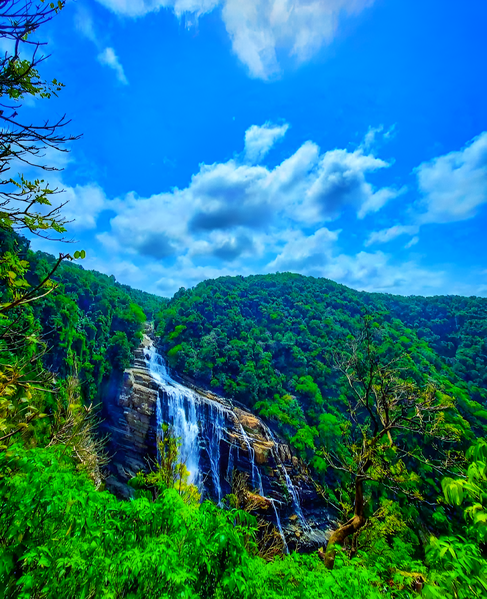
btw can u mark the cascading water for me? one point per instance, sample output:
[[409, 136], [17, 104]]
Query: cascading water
[[256, 477], [200, 424], [279, 526], [181, 414], [289, 483], [229, 473], [196, 421], [214, 434]]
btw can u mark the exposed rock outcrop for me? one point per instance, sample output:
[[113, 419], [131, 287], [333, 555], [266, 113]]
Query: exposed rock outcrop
[[130, 421], [217, 438]]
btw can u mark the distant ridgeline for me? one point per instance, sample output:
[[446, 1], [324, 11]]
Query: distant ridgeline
[[90, 322], [269, 341]]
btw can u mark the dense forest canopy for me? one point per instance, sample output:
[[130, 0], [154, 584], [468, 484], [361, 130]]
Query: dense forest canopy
[[270, 341], [91, 324]]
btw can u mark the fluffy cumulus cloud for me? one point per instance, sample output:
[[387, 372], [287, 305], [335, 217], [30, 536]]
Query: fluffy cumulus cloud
[[260, 28], [318, 255], [306, 254], [234, 210], [244, 217], [378, 271], [238, 217], [110, 59], [259, 140], [454, 185], [85, 204], [81, 204], [341, 180]]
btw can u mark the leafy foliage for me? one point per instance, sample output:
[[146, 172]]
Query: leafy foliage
[[472, 489], [61, 537], [90, 322], [269, 341]]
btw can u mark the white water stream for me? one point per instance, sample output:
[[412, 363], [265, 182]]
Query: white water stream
[[196, 421], [199, 423]]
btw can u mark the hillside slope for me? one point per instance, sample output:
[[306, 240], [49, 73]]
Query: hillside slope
[[90, 323], [269, 341]]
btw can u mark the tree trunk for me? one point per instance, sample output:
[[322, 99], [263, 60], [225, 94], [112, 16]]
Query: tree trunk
[[349, 528]]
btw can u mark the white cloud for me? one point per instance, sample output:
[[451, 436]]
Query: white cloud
[[236, 218], [454, 185], [110, 59], [378, 272], [231, 210], [412, 242], [122, 269], [259, 140], [85, 203], [258, 28], [316, 256], [375, 135], [305, 253], [83, 21], [377, 200], [386, 235], [363, 271], [341, 180], [139, 8]]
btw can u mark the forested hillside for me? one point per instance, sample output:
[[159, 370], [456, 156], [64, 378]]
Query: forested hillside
[[89, 322], [270, 342]]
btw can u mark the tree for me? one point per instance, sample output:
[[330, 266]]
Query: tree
[[169, 472], [385, 411], [24, 205]]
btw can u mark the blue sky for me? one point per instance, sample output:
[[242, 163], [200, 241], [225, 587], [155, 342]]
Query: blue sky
[[337, 138]]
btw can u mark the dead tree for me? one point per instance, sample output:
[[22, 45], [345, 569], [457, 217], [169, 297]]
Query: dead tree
[[384, 407]]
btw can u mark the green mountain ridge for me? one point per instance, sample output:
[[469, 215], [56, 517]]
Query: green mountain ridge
[[272, 342], [269, 341]]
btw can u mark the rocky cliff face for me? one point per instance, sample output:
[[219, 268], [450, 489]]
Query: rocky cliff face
[[217, 438], [131, 423]]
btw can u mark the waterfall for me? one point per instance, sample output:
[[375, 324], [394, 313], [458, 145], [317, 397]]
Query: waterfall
[[197, 422], [289, 483], [279, 527], [214, 434], [181, 414], [255, 471], [200, 423]]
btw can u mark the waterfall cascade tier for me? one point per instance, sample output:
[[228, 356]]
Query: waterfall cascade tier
[[216, 438]]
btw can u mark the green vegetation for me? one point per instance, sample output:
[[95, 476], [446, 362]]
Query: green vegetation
[[382, 397], [90, 323], [377, 394], [270, 341]]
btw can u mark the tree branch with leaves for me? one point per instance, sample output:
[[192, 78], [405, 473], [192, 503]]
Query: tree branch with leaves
[[25, 204], [385, 410]]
